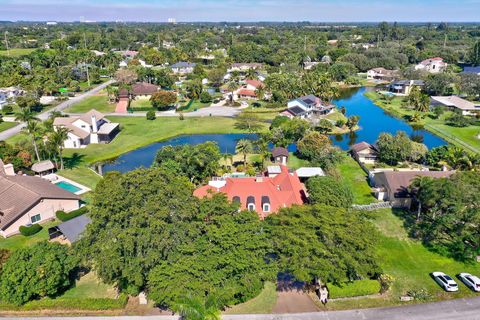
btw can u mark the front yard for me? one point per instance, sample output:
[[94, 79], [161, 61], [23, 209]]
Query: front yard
[[98, 102]]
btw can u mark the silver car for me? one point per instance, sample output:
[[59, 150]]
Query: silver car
[[471, 281]]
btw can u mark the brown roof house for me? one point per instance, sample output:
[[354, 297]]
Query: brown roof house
[[138, 90], [393, 185], [364, 152], [382, 74], [91, 127], [25, 200], [280, 155]]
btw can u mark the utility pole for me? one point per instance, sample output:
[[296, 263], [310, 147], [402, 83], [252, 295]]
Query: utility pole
[[6, 44], [305, 45], [86, 65], [445, 41]]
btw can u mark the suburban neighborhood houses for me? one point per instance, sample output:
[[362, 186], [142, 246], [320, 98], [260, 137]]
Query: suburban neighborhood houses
[[237, 170]]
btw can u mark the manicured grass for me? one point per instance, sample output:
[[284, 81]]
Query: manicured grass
[[140, 103], [195, 105], [465, 137], [97, 102], [7, 125], [20, 241], [82, 175], [16, 52], [354, 289], [89, 286], [263, 303], [356, 178], [294, 162]]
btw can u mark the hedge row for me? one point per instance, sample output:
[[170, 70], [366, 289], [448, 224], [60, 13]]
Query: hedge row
[[92, 304], [30, 230], [353, 289], [63, 216]]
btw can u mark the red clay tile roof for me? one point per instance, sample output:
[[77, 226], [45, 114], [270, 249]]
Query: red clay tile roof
[[284, 190], [245, 92], [255, 83]]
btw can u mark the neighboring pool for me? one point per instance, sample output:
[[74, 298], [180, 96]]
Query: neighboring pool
[[68, 186]]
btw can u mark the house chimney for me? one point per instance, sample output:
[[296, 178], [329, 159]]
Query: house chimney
[[259, 179], [94, 124], [9, 170]]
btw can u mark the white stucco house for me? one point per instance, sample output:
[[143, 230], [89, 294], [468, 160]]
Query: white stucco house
[[432, 65], [91, 127], [183, 67]]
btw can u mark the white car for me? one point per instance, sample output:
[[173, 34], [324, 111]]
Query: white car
[[445, 281], [471, 281]]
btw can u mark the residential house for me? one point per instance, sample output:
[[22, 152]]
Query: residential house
[[393, 186], [472, 70], [432, 65], [9, 94], [382, 74], [466, 107], [91, 127], [280, 155], [264, 194], [364, 152], [248, 91], [183, 67], [25, 200], [305, 107], [403, 87], [243, 67], [141, 90]]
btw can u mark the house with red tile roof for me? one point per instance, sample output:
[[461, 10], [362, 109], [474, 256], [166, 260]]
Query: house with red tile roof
[[263, 194]]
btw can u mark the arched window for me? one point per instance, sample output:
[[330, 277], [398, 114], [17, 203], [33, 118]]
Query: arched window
[[251, 203]]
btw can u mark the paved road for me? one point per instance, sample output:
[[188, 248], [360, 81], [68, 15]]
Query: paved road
[[60, 107], [459, 309]]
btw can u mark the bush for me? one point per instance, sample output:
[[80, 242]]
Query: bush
[[69, 304], [181, 116], [205, 97], [30, 230], [7, 109], [353, 289], [151, 115], [63, 216], [328, 190]]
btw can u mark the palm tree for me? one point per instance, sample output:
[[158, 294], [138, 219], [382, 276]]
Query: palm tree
[[25, 115], [57, 138], [244, 146], [195, 308], [34, 130], [232, 86], [416, 187], [423, 103], [251, 74], [260, 92]]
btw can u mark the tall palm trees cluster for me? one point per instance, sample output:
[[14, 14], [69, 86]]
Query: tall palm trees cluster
[[47, 142]]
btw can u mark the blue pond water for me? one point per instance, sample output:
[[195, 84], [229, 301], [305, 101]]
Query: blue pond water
[[373, 121]]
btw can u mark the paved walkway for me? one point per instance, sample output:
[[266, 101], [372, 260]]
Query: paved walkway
[[459, 309], [60, 107], [122, 106]]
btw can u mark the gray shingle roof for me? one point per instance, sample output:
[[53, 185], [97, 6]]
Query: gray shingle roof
[[72, 229]]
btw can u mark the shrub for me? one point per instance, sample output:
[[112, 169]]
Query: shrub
[[69, 304], [353, 289], [340, 123], [386, 282], [181, 116], [7, 109], [63, 216], [30, 230], [419, 294], [330, 191], [205, 97], [151, 115]]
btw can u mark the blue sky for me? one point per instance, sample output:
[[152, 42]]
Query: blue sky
[[241, 10]]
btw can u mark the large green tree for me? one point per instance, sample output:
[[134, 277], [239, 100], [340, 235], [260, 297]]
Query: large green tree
[[329, 191]]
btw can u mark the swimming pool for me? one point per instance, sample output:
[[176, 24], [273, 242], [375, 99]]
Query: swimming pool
[[68, 186]]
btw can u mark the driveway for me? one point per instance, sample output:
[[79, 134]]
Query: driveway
[[60, 107]]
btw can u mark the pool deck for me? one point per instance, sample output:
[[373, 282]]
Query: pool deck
[[54, 178]]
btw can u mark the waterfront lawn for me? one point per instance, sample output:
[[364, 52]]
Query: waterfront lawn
[[7, 125], [81, 174], [465, 137], [97, 102], [263, 303], [20, 241], [354, 176]]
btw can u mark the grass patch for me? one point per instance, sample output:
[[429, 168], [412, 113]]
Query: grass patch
[[354, 176], [354, 289], [89, 286], [82, 175], [7, 125], [140, 103], [16, 52], [97, 102], [193, 106], [19, 241], [263, 303], [295, 162]]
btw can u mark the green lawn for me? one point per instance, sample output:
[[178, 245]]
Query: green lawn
[[263, 303], [463, 137], [16, 52], [7, 125], [294, 162], [20, 241], [140, 103], [89, 286], [196, 105], [82, 175], [97, 102], [356, 178]]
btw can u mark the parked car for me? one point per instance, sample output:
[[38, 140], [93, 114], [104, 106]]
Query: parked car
[[445, 281], [471, 281]]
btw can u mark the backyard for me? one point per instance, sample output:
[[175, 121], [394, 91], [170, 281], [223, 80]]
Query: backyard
[[354, 176]]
